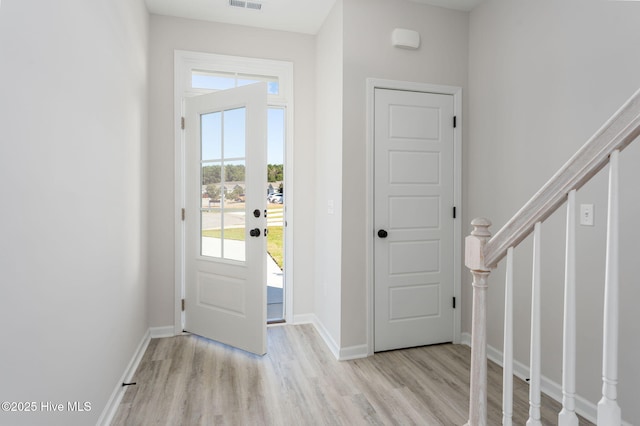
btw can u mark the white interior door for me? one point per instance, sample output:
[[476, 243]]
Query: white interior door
[[225, 244], [413, 204]]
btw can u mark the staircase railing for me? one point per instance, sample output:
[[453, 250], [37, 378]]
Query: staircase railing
[[483, 252]]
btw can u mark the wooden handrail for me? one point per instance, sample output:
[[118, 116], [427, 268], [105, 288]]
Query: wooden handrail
[[621, 129]]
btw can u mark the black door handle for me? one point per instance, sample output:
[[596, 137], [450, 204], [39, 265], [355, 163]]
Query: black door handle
[[382, 233], [255, 232]]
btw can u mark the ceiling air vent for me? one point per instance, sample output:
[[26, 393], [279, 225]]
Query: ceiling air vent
[[246, 4]]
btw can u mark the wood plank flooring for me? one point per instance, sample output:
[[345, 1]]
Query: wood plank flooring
[[188, 380]]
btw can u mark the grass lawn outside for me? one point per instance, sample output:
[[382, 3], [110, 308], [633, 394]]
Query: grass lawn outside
[[275, 240]]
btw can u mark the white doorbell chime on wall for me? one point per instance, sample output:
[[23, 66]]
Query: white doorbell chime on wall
[[406, 39]]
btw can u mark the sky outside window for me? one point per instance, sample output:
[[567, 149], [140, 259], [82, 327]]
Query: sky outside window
[[224, 81]]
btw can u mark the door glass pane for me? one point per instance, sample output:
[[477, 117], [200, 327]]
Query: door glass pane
[[211, 209], [211, 128], [211, 244], [234, 133], [222, 185], [233, 211]]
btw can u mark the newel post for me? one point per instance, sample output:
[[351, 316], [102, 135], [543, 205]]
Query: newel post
[[474, 260]]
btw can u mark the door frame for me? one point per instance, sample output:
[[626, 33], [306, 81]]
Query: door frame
[[456, 92], [184, 63]]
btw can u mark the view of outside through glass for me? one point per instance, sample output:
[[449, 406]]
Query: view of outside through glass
[[223, 198], [275, 214], [222, 179], [228, 80]]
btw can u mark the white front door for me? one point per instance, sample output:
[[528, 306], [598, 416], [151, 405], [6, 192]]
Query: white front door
[[413, 205], [225, 244]]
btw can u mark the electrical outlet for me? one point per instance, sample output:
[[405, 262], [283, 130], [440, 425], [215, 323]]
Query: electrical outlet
[[586, 214]]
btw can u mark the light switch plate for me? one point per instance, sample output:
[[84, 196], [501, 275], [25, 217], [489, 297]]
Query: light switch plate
[[586, 214]]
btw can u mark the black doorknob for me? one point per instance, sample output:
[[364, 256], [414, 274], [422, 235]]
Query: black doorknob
[[255, 232], [382, 233]]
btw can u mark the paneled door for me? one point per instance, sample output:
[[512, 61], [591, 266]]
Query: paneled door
[[413, 204], [225, 244]]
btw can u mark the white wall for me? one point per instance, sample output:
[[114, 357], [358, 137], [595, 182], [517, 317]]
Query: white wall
[[328, 154], [441, 59], [168, 34], [73, 100], [543, 77]]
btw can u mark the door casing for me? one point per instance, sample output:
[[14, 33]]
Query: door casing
[[456, 92]]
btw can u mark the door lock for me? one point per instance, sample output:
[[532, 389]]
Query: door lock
[[255, 232], [382, 233]]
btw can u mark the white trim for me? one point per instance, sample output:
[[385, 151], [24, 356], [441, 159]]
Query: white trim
[[584, 407], [179, 158], [341, 354], [184, 62], [304, 319], [288, 206], [354, 352], [116, 396], [236, 64], [326, 336], [159, 332], [456, 92], [465, 339]]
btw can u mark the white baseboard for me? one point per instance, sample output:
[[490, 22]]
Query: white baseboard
[[585, 408], [326, 336], [341, 354], [354, 352], [116, 396], [303, 319], [158, 332], [465, 339]]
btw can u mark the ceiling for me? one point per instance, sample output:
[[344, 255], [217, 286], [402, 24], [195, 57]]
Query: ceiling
[[301, 16]]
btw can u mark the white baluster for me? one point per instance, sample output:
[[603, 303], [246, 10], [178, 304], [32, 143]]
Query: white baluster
[[608, 410], [567, 416], [534, 383], [507, 361]]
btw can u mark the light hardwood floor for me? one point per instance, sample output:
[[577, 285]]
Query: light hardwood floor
[[188, 380]]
